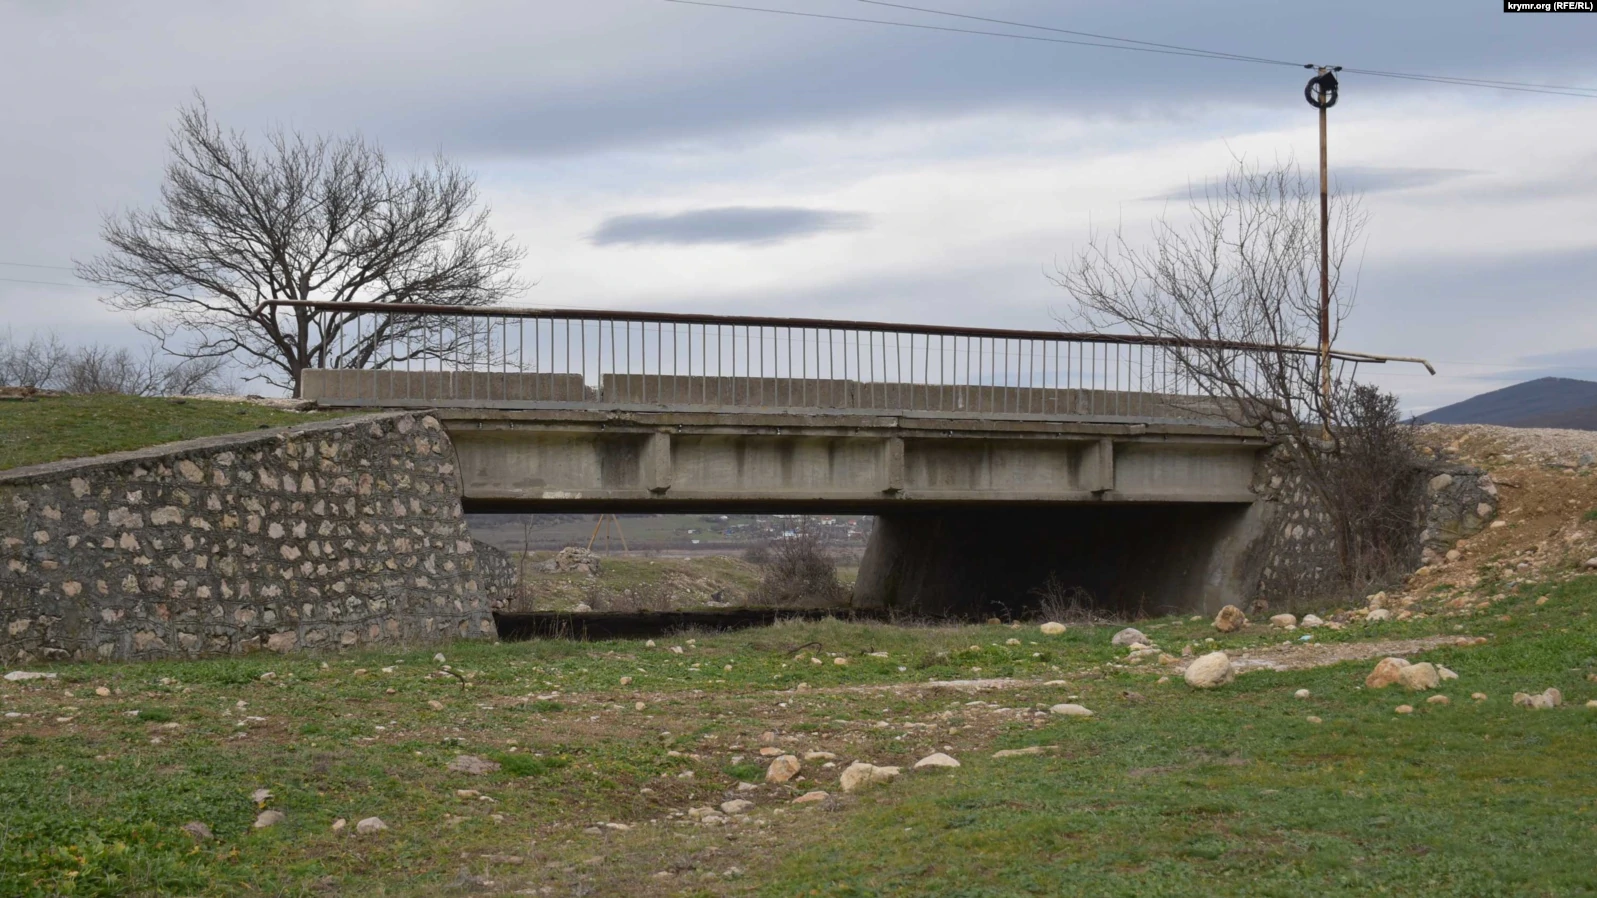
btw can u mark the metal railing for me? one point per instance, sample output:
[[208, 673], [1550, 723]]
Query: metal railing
[[378, 353]]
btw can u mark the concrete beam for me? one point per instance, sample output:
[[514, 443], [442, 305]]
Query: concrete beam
[[540, 458]]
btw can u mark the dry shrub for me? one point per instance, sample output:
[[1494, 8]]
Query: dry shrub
[[798, 572], [1377, 482], [1067, 604]]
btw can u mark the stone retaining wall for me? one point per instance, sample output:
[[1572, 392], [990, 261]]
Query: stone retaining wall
[[332, 534], [1299, 549]]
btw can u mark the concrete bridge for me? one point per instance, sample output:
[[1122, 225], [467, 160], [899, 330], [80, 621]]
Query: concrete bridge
[[996, 461]]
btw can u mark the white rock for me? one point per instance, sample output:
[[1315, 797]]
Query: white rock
[[936, 760], [1284, 620], [1071, 710], [19, 675], [812, 797], [819, 756], [782, 769], [1129, 636], [1310, 621], [1445, 674], [1052, 628], [1379, 614], [737, 806], [1301, 693], [1019, 752], [370, 825], [859, 775], [1418, 677], [439, 658], [1387, 672], [339, 824], [1209, 671], [582, 608], [268, 818]]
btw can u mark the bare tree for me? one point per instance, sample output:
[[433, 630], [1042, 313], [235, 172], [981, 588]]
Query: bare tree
[[1243, 267], [300, 218], [45, 363]]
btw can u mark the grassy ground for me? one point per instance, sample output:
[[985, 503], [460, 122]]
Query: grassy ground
[[54, 428], [1165, 791]]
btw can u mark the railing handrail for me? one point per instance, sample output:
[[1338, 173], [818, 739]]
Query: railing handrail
[[822, 324]]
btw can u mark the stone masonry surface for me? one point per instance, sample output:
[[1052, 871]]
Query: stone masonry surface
[[325, 535]]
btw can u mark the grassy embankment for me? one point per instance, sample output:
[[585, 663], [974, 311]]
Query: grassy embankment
[[1166, 791], [53, 428], [642, 583]]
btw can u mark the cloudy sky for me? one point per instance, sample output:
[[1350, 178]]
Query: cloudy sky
[[663, 156]]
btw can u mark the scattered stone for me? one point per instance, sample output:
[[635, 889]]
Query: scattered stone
[[819, 756], [261, 797], [17, 676], [571, 560], [1310, 621], [1230, 619], [435, 704], [936, 760], [1019, 752], [626, 681], [582, 608], [268, 818], [1438, 700], [370, 825], [1070, 710], [859, 775], [812, 797], [1445, 674], [467, 793], [782, 769], [840, 661], [438, 658], [1211, 670], [737, 806], [1011, 641], [1479, 696], [1312, 719], [1052, 628], [1404, 709], [1284, 620], [1547, 700], [101, 691], [771, 751], [638, 706], [198, 831], [473, 765], [1379, 614], [748, 787], [339, 824], [1419, 677], [1386, 673], [1301, 693], [1129, 636], [1591, 703]]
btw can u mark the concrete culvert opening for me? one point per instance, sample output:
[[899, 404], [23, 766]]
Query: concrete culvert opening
[[1130, 560]]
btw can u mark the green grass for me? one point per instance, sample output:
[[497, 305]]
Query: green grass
[[60, 427], [1228, 792]]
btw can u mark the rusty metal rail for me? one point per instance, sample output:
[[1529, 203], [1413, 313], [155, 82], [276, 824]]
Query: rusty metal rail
[[380, 353]]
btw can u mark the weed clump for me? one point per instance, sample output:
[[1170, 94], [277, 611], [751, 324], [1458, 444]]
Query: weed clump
[[798, 572]]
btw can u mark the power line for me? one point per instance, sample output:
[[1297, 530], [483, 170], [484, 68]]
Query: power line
[[31, 265], [1107, 37], [1201, 54], [49, 283], [1442, 79], [1140, 46]]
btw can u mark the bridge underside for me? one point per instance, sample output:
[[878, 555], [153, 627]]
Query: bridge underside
[[974, 516]]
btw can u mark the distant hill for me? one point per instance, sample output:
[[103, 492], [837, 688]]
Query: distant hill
[[1548, 402]]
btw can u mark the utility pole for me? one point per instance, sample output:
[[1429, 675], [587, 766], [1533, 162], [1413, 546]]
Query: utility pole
[[1321, 92]]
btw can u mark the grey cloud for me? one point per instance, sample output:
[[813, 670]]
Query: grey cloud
[[730, 224], [1365, 179]]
